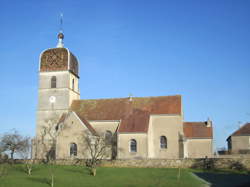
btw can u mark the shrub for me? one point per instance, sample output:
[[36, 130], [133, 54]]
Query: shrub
[[206, 163], [236, 165]]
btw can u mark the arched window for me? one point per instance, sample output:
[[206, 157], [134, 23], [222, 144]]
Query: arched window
[[73, 84], [73, 149], [163, 141], [108, 137], [53, 82], [133, 145]]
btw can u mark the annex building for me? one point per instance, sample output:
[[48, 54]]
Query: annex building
[[139, 127], [239, 141]]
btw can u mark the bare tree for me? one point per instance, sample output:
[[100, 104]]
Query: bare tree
[[98, 149], [47, 142], [13, 142], [48, 146], [25, 154]]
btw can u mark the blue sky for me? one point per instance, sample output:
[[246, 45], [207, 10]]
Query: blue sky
[[199, 49]]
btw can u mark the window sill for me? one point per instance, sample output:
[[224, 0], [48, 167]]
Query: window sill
[[133, 153]]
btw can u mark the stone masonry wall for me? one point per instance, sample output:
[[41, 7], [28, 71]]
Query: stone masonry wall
[[219, 163], [216, 163]]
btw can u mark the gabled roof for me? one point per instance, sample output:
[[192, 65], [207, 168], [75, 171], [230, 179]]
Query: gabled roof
[[82, 119], [133, 112], [87, 124], [242, 131], [197, 130]]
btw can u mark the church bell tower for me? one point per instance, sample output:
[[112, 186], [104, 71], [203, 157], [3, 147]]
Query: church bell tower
[[58, 86]]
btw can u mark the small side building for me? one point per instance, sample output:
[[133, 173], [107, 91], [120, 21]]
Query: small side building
[[239, 141], [198, 141]]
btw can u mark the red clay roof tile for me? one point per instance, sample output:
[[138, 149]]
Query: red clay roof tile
[[244, 130], [137, 121], [133, 113], [197, 130]]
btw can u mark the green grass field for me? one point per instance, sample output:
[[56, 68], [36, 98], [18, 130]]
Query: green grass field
[[77, 176]]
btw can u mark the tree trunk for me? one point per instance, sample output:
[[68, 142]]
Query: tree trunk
[[52, 180], [29, 170], [11, 155], [179, 173], [28, 167], [93, 171]]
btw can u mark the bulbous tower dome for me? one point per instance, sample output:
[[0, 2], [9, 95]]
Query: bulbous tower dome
[[58, 59]]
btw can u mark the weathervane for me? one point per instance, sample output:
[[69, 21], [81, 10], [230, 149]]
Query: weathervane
[[61, 23], [60, 35]]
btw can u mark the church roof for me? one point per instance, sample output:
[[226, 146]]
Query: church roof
[[242, 131], [133, 112], [197, 130]]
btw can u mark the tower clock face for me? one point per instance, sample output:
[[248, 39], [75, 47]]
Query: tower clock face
[[52, 99], [54, 60]]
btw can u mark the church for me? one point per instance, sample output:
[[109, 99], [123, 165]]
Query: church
[[140, 127]]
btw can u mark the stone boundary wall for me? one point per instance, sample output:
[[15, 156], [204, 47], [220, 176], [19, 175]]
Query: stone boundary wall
[[216, 163], [234, 156]]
